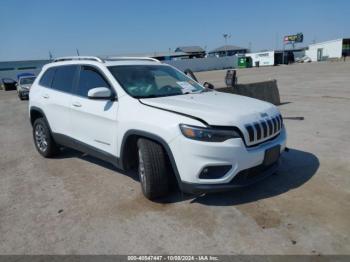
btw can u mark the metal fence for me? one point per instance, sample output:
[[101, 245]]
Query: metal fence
[[205, 64], [11, 69]]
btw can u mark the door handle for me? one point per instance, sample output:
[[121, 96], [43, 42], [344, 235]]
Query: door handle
[[46, 96], [76, 104]]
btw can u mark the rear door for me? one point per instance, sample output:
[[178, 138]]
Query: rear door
[[94, 122], [56, 98]]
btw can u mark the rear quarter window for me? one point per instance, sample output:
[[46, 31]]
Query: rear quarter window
[[46, 79]]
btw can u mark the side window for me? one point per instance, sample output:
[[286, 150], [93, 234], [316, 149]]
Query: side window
[[46, 79], [64, 78], [89, 78]]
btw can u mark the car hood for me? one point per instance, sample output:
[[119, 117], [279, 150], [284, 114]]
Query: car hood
[[27, 86], [216, 108]]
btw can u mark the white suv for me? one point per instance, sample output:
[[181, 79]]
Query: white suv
[[138, 112]]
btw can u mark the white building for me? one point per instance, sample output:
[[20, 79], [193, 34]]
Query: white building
[[329, 49], [264, 58]]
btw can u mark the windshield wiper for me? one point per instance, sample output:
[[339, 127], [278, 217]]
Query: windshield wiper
[[155, 96], [150, 96]]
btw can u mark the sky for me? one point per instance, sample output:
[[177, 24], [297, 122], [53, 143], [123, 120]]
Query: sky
[[30, 29]]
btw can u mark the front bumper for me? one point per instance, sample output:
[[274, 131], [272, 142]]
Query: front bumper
[[193, 156], [242, 179], [24, 93]]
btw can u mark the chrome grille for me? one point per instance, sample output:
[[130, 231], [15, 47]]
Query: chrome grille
[[266, 128]]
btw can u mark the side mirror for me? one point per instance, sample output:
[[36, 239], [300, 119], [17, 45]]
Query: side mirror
[[100, 93], [208, 85]]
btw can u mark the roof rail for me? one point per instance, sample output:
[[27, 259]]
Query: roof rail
[[125, 58], [69, 58]]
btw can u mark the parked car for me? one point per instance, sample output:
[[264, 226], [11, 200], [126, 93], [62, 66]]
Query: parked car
[[139, 113], [304, 59], [8, 84], [23, 86]]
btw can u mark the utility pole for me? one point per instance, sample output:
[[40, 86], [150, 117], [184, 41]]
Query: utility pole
[[226, 36], [78, 52]]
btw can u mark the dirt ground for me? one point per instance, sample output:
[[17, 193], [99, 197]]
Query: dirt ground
[[75, 204]]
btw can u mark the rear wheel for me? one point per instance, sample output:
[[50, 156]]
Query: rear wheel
[[152, 169], [43, 141]]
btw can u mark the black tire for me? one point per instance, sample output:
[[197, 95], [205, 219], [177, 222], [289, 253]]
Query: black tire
[[20, 96], [152, 169], [43, 140]]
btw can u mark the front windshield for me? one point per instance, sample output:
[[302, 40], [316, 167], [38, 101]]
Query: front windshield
[[27, 80], [146, 81]]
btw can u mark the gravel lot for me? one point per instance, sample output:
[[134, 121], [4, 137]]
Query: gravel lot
[[75, 204]]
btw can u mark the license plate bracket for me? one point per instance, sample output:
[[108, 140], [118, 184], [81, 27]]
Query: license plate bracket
[[272, 155]]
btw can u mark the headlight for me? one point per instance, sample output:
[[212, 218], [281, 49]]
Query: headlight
[[208, 134]]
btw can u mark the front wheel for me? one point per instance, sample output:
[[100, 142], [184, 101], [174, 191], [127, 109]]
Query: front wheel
[[20, 96], [43, 140], [152, 169]]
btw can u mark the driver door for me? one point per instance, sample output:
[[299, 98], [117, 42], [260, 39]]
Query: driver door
[[94, 122]]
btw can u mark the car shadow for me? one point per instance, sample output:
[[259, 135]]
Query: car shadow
[[297, 167], [71, 153]]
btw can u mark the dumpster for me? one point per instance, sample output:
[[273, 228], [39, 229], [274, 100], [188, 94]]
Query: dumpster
[[244, 62]]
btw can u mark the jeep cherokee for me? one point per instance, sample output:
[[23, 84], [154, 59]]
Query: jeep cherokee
[[140, 113]]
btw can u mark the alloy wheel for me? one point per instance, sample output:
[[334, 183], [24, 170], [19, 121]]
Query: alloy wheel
[[41, 138]]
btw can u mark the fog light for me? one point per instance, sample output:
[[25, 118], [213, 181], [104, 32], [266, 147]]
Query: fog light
[[214, 172]]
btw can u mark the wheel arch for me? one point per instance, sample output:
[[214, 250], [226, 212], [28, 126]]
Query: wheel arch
[[128, 144], [35, 113]]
